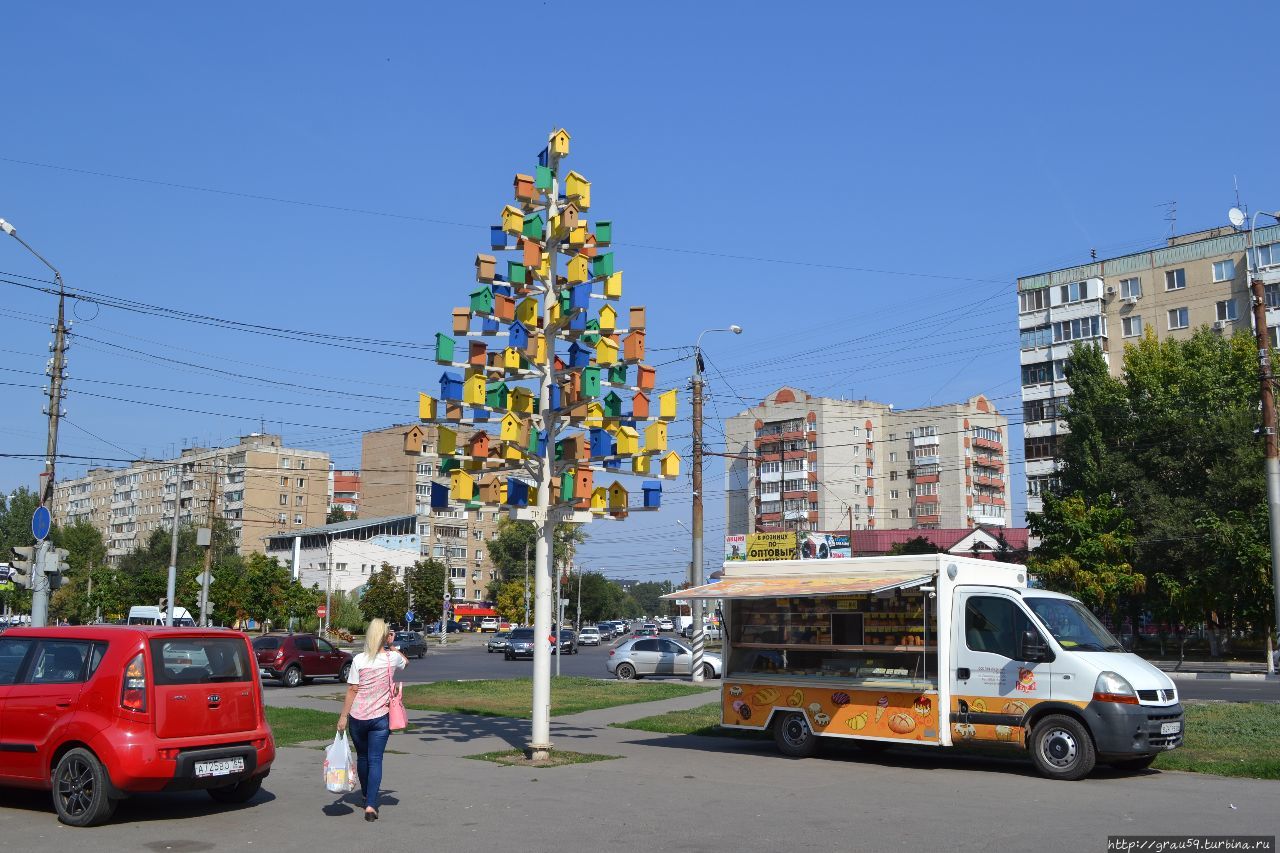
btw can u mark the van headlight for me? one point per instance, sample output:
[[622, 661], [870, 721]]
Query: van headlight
[[1114, 687]]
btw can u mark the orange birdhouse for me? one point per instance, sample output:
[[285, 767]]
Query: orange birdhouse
[[523, 186], [461, 321], [478, 445], [640, 405], [646, 376], [637, 317], [633, 346], [582, 483]]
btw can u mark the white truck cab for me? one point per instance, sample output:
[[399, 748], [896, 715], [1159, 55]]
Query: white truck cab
[[145, 615], [934, 650]]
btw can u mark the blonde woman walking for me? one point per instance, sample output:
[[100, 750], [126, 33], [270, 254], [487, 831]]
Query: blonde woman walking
[[368, 706]]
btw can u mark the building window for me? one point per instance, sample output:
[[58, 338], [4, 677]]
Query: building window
[[770, 467], [1175, 279], [1271, 292], [893, 475], [437, 551], [284, 500], [1079, 329], [1268, 255], [1040, 336], [283, 518], [1033, 300], [1037, 374], [1038, 486], [424, 468], [1224, 270], [1227, 309], [299, 500], [926, 488], [1042, 410], [1131, 326], [1131, 287], [1040, 447], [893, 494], [893, 456], [284, 482], [1178, 318], [302, 483], [285, 462], [1076, 291]]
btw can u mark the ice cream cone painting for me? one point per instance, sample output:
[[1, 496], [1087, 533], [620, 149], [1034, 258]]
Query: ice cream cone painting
[[882, 705]]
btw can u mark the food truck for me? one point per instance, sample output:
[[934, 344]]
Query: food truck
[[933, 650]]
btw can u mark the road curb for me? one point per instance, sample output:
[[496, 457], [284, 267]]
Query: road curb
[[1220, 676]]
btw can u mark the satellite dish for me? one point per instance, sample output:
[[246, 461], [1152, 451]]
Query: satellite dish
[[1236, 215]]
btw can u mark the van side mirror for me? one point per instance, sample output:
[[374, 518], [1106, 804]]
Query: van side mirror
[[1034, 648]]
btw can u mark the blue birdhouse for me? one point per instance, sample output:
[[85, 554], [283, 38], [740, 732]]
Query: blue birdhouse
[[489, 325], [479, 414], [450, 386], [553, 397], [518, 335], [579, 356], [537, 442], [578, 322], [439, 496], [613, 464], [503, 289], [497, 237], [517, 492], [601, 443], [652, 494], [544, 157], [579, 296]]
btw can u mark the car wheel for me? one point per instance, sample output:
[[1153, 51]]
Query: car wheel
[[1062, 748], [345, 671], [241, 792], [422, 654], [794, 737], [490, 651], [80, 789], [292, 676], [509, 656], [625, 672], [708, 671], [1132, 764]]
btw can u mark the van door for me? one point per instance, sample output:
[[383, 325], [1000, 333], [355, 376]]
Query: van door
[[42, 701], [992, 687]]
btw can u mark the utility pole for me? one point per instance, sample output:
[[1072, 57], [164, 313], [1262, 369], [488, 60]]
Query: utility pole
[[328, 586], [171, 587], [208, 554], [444, 602], [559, 615], [579, 608], [526, 584]]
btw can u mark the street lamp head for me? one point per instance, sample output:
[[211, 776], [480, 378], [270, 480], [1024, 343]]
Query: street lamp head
[[736, 329], [8, 229]]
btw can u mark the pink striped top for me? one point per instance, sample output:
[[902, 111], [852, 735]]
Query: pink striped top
[[373, 680]]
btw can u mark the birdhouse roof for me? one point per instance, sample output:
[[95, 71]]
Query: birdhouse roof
[[520, 177], [628, 431], [449, 376], [511, 208], [613, 396], [616, 485], [575, 176], [560, 131]]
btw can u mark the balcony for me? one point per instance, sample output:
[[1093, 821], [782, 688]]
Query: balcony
[[927, 460], [925, 440]]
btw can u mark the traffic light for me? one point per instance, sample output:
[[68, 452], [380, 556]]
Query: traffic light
[[24, 565], [56, 561]]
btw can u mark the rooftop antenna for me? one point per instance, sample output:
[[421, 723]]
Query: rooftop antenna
[[1235, 180], [1170, 216]]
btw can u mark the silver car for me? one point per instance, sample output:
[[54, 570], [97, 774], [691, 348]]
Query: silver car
[[641, 656]]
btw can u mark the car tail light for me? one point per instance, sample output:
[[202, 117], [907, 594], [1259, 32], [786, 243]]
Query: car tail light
[[280, 656], [133, 692], [611, 651], [169, 754]]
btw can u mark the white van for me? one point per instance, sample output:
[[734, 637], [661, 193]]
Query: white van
[[934, 650], [143, 615]]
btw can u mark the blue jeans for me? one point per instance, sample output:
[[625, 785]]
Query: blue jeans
[[370, 738]]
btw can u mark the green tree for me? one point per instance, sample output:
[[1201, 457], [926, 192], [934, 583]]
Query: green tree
[[914, 545], [509, 602], [1084, 550], [601, 598], [336, 515], [647, 597], [15, 531], [384, 596], [426, 584], [86, 552], [508, 548]]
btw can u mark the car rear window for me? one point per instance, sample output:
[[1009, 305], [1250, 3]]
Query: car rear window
[[263, 643], [200, 660], [522, 634]]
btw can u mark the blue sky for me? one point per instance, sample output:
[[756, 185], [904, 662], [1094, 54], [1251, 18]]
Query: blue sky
[[870, 180]]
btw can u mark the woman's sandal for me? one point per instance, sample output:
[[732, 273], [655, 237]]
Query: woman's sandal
[[371, 816]]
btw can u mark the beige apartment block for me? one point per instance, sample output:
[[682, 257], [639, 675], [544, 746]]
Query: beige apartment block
[[258, 486], [800, 462], [1195, 280], [397, 467]]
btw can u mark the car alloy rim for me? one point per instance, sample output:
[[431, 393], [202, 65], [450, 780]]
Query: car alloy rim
[[1059, 748], [75, 787], [795, 731]]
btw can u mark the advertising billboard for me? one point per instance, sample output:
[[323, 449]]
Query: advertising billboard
[[771, 546], [822, 546], [735, 548]]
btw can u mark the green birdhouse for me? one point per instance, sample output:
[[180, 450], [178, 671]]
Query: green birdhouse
[[592, 334], [566, 485], [618, 374], [517, 273], [482, 300], [604, 233], [602, 265], [533, 226], [495, 395], [612, 405], [444, 348], [542, 178], [591, 382]]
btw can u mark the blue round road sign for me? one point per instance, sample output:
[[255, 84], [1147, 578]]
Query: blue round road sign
[[40, 523]]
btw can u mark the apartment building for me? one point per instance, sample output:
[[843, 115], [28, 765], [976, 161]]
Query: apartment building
[[1198, 279], [258, 486], [799, 462], [344, 491], [397, 466]]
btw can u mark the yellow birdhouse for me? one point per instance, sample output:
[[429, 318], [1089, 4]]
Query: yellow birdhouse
[[667, 405], [628, 441], [446, 441], [670, 465], [578, 234], [608, 318], [579, 270], [540, 356], [511, 427], [512, 220], [426, 407], [641, 464], [595, 415], [527, 312], [553, 312], [520, 401], [559, 143], [618, 498], [512, 452], [655, 436], [473, 390], [613, 286], [577, 185], [462, 486], [606, 350], [511, 358], [544, 268], [599, 499]]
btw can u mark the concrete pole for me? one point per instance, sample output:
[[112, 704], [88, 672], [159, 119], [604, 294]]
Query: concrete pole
[[444, 604], [172, 586], [697, 637], [526, 584]]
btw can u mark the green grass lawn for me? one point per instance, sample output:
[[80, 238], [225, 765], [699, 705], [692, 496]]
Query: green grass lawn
[[510, 698], [292, 726], [1222, 738]]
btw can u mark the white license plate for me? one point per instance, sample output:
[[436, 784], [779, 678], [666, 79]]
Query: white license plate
[[225, 767], [1170, 728]]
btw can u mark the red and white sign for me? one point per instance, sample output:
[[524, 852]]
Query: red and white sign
[[321, 611]]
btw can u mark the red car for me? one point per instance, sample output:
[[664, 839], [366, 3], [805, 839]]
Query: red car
[[98, 713], [297, 658]]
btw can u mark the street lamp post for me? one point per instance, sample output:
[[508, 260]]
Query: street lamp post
[[695, 608]]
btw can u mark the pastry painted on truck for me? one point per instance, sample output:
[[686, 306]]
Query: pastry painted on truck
[[978, 706], [1004, 733], [815, 707], [839, 698], [857, 722], [766, 696], [882, 705], [796, 699], [1015, 707], [821, 720], [966, 731], [922, 706], [735, 690], [902, 723]]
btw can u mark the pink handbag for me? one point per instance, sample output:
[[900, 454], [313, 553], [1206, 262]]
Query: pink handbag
[[398, 720]]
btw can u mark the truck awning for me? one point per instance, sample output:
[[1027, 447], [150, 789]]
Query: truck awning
[[795, 586]]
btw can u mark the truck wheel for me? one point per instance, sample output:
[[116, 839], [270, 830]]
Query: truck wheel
[[241, 792], [80, 789], [1062, 748], [625, 672], [292, 676], [793, 736], [1133, 764]]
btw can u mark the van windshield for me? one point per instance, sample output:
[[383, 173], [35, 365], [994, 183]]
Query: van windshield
[[1072, 625]]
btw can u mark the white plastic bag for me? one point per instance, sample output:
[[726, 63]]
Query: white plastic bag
[[340, 766]]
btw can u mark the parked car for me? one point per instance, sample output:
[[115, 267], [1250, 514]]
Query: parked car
[[489, 623], [642, 656], [568, 644], [410, 643], [498, 642], [709, 632], [519, 644], [665, 624], [607, 630], [97, 713], [454, 628], [589, 636], [295, 659]]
